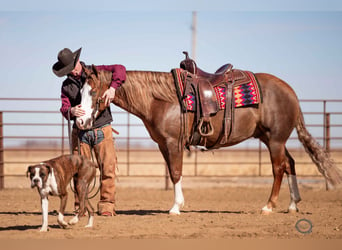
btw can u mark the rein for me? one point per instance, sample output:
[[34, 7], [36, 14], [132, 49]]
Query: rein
[[69, 131], [79, 153]]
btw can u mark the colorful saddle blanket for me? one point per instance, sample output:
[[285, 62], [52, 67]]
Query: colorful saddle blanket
[[246, 94]]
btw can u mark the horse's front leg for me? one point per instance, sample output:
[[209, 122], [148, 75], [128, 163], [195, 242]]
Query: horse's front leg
[[179, 198], [174, 159]]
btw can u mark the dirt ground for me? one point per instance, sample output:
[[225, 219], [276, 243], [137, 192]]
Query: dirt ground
[[216, 212]]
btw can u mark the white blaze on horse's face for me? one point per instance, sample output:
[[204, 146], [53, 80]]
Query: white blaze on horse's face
[[86, 121]]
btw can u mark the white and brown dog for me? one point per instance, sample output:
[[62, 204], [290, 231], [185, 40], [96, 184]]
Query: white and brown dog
[[52, 177]]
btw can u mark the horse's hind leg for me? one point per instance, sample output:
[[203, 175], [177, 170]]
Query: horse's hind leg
[[282, 162], [279, 163], [293, 186]]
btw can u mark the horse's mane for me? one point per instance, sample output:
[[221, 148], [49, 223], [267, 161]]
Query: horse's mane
[[142, 87]]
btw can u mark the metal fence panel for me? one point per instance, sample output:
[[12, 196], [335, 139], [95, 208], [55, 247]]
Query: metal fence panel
[[32, 130]]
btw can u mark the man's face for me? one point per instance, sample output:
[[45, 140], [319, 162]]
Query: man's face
[[77, 70]]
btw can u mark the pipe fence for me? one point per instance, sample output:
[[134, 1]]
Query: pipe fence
[[32, 130]]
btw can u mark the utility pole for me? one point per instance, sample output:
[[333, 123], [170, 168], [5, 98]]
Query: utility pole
[[194, 33]]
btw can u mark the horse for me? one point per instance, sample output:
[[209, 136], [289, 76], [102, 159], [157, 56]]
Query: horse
[[152, 97]]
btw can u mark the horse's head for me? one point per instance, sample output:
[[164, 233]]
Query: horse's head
[[91, 94]]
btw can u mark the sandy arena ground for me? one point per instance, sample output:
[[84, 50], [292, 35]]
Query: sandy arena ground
[[210, 212]]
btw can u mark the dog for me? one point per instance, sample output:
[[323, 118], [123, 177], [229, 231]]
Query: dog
[[52, 177]]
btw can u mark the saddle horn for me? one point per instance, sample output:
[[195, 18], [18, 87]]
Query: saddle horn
[[186, 55], [188, 64]]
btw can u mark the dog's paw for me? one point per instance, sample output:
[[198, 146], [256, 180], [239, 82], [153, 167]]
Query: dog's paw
[[61, 221], [90, 222], [74, 220], [63, 224]]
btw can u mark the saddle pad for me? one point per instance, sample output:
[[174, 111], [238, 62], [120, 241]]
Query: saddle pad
[[245, 94]]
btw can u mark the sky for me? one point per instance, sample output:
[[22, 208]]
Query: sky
[[301, 47], [298, 41]]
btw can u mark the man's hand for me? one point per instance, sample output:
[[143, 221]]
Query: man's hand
[[77, 111], [109, 95]]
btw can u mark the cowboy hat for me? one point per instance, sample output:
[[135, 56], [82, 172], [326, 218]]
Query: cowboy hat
[[66, 61]]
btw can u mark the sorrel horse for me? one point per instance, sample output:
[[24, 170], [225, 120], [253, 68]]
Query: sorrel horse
[[151, 96]]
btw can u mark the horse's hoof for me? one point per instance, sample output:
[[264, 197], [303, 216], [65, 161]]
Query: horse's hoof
[[44, 230], [266, 211], [293, 211], [174, 212], [175, 209]]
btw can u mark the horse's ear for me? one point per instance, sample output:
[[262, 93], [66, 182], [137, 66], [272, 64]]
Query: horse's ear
[[86, 70], [94, 70]]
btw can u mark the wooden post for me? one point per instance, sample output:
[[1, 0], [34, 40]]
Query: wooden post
[[2, 181]]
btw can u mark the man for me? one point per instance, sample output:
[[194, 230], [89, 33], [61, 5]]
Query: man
[[99, 138]]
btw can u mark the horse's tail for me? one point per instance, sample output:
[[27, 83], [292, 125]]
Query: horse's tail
[[318, 155]]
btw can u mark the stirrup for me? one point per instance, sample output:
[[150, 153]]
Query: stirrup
[[208, 126]]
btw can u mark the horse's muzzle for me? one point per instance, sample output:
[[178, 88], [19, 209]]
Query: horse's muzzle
[[84, 124]]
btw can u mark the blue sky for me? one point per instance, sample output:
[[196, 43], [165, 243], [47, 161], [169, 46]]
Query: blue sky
[[147, 5], [298, 41], [302, 47]]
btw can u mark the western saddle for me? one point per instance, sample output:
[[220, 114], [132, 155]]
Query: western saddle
[[202, 84]]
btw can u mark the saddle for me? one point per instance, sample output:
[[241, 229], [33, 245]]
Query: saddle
[[202, 84]]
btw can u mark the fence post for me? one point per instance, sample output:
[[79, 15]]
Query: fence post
[[128, 149], [327, 132], [2, 182], [327, 140]]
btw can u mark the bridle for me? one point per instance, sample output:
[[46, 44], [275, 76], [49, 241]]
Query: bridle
[[96, 95]]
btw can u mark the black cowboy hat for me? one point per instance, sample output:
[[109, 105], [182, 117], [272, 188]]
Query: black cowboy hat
[[66, 62]]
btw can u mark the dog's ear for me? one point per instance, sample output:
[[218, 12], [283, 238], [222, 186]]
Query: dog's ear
[[48, 166], [28, 170]]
